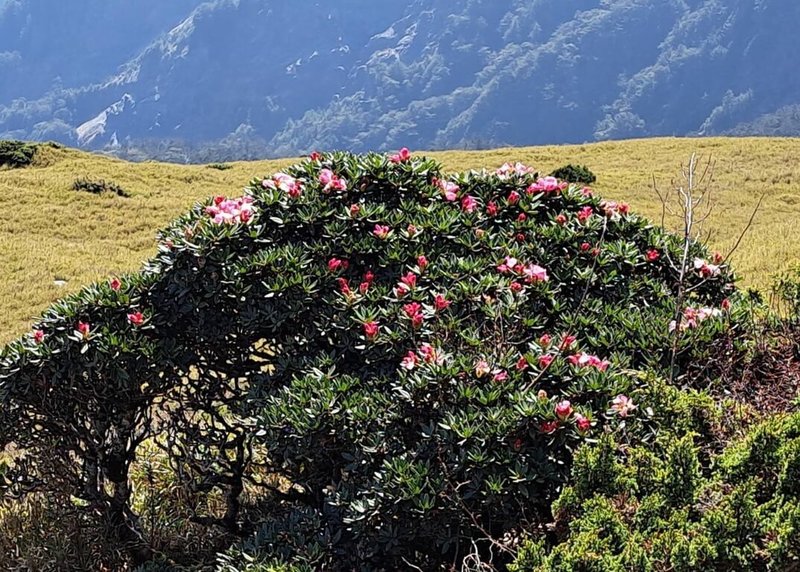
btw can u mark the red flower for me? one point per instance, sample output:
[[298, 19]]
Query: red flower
[[653, 255], [136, 318], [549, 426], [545, 361], [585, 246], [726, 304], [84, 329], [595, 251], [355, 209], [522, 217], [516, 287], [422, 262], [522, 363], [567, 341], [440, 303], [410, 280], [582, 423], [412, 308], [363, 287], [369, 276], [717, 258], [371, 330], [585, 213], [401, 290], [520, 237], [38, 336], [115, 284], [344, 286], [561, 219], [336, 264], [218, 200], [513, 197], [315, 156], [491, 208], [545, 340]]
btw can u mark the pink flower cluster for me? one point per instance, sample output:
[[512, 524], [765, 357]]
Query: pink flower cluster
[[612, 208], [622, 405], [583, 360], [546, 185], [449, 189], [531, 272], [402, 156], [508, 170], [693, 317], [231, 211], [425, 354], [330, 181], [285, 183], [483, 368]]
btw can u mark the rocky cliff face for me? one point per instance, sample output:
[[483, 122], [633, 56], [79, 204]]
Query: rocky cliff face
[[269, 77]]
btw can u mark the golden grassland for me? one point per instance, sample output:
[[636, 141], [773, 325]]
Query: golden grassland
[[50, 233]]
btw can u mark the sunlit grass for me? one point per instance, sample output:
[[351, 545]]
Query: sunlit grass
[[50, 233]]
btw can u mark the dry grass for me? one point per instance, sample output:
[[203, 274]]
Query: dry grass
[[50, 232]]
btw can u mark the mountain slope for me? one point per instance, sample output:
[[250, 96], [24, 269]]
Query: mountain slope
[[257, 77]]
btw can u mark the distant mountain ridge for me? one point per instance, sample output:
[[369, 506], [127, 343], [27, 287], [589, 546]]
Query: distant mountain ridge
[[265, 77]]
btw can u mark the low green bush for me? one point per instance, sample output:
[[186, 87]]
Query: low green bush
[[575, 174], [16, 154], [98, 187]]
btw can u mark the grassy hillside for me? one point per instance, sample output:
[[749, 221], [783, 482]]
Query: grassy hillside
[[51, 233]]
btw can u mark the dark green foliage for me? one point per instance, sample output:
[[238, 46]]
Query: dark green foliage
[[659, 505], [220, 166], [575, 174], [288, 333], [98, 187], [16, 154]]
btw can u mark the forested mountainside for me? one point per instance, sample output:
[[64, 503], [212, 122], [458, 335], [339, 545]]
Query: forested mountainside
[[225, 79]]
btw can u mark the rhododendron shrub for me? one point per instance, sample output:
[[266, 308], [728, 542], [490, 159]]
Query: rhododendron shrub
[[414, 354]]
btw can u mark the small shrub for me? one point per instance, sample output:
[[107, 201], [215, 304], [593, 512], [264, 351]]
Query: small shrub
[[575, 174], [16, 154], [98, 187], [220, 166]]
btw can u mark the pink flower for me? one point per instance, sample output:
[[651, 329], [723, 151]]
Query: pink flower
[[549, 426], [612, 208], [115, 284], [508, 170], [491, 208], [585, 213], [381, 231], [545, 361], [500, 376], [336, 264], [482, 368], [545, 340], [544, 185], [517, 287], [344, 286], [422, 262], [717, 258], [585, 360], [653, 255], [440, 303], [410, 361], [563, 409], [409, 279], [38, 336], [355, 209], [363, 287], [522, 217], [535, 273], [726, 304], [136, 318], [567, 341], [371, 329], [414, 312], [522, 363], [585, 246], [507, 265], [401, 290], [84, 329], [586, 192], [429, 353], [582, 423], [331, 181], [403, 156], [369, 276], [411, 230], [285, 183], [561, 219], [622, 405], [230, 211], [513, 197], [449, 189], [469, 204], [705, 269], [315, 156]]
